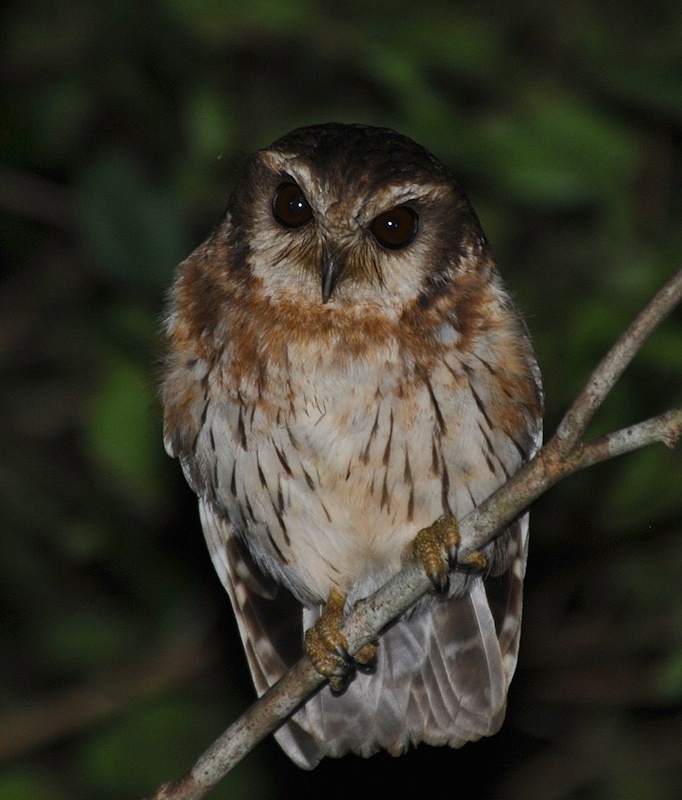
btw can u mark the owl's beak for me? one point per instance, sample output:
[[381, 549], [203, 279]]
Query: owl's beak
[[333, 265]]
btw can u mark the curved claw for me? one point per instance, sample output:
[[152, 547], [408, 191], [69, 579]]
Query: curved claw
[[440, 581], [327, 647], [428, 547], [344, 655]]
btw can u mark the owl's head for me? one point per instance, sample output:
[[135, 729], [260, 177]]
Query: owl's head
[[335, 214]]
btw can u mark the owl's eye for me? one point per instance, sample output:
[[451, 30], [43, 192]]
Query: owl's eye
[[395, 228], [289, 206]]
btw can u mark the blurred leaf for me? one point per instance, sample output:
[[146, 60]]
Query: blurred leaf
[[25, 785], [560, 152], [85, 639], [134, 230], [208, 123], [664, 352], [669, 679], [155, 743], [641, 497], [62, 114], [214, 19], [82, 540], [121, 434]]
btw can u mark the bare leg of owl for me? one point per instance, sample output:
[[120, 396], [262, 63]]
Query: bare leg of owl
[[428, 548], [327, 647]]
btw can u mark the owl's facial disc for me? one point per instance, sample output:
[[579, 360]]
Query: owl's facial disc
[[336, 231]]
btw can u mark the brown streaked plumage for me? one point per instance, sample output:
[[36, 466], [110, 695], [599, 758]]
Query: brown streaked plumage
[[344, 367]]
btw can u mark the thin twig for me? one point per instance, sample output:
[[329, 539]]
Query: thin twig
[[664, 428], [603, 379], [561, 456]]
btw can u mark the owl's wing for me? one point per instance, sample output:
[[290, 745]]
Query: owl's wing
[[272, 637], [272, 641]]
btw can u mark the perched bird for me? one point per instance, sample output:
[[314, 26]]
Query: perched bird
[[345, 367]]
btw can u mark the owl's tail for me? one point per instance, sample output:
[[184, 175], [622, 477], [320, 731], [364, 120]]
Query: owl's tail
[[441, 678]]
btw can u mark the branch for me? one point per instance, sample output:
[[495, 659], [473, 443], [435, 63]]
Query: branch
[[563, 455]]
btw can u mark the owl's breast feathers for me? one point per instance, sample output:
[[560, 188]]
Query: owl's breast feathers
[[328, 434]]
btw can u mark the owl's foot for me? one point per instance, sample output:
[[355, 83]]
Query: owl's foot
[[428, 546], [327, 647]]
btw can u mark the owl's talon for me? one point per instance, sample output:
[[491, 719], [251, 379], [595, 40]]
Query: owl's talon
[[476, 562], [343, 654], [428, 546], [337, 683], [327, 647], [441, 583], [366, 657]]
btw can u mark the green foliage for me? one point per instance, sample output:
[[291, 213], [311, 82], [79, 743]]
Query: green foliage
[[121, 434], [133, 230], [149, 744], [22, 784], [123, 125]]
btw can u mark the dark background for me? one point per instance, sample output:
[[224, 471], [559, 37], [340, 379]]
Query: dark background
[[121, 123]]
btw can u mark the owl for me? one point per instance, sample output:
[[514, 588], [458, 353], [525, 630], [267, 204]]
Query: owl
[[344, 368]]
